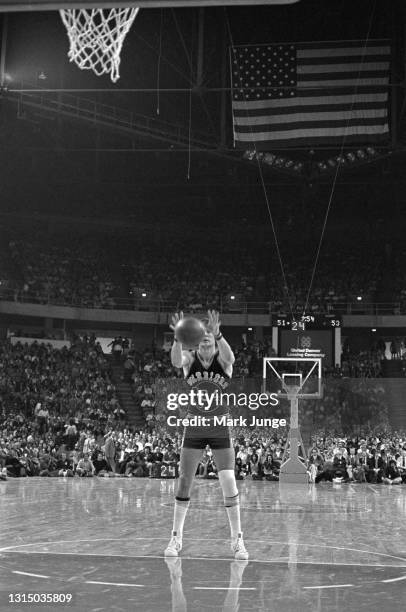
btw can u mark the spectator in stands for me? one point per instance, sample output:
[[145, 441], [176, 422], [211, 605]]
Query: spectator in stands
[[85, 466], [353, 465], [340, 465], [374, 467], [211, 468], [202, 467], [240, 469], [329, 469], [64, 466], [100, 464], [401, 464], [117, 348], [171, 461], [110, 451], [148, 458], [269, 469], [315, 464], [392, 475], [130, 464], [138, 466], [243, 455], [255, 467], [362, 463], [47, 463], [156, 459], [71, 434]]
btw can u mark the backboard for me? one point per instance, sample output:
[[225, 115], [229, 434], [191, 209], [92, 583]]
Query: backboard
[[50, 5], [293, 377]]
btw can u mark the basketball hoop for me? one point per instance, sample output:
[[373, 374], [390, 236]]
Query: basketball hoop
[[292, 384], [96, 37]]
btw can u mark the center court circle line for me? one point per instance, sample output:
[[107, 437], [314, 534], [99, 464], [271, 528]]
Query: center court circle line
[[228, 559], [292, 509], [271, 542]]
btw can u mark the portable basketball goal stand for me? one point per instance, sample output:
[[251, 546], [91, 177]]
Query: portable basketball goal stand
[[291, 386]]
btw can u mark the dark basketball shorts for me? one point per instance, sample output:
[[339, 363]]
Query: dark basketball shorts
[[214, 442]]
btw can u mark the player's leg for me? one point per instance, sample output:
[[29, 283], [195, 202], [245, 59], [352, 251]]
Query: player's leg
[[189, 460], [225, 459]]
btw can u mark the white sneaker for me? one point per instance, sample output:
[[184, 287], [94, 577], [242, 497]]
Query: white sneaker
[[174, 547], [238, 548]]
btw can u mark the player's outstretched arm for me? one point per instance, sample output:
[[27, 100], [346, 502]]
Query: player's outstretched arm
[[226, 354]]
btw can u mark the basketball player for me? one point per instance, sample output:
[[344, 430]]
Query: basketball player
[[213, 360]]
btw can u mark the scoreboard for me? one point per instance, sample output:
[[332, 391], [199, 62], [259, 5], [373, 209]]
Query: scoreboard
[[306, 322], [308, 336]]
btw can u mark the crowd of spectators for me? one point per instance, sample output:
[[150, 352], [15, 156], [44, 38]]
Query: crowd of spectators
[[47, 385], [351, 396], [100, 273], [347, 405], [361, 364], [154, 362], [60, 416], [52, 385], [378, 458], [73, 272], [82, 450]]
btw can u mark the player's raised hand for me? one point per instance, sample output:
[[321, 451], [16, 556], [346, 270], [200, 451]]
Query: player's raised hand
[[214, 322], [175, 319]]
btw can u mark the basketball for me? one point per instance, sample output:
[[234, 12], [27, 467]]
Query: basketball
[[190, 332]]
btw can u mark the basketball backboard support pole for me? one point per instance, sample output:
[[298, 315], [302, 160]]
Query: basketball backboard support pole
[[293, 470], [54, 5]]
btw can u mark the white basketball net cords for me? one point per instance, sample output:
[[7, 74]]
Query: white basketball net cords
[[96, 37]]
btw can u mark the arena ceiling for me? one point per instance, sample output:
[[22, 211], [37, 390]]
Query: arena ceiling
[[175, 79]]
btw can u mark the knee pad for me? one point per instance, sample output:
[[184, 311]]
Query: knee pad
[[232, 501], [182, 500]]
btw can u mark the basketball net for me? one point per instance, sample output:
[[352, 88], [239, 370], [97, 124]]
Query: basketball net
[[96, 37]]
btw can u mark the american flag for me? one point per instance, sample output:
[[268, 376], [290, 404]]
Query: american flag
[[310, 93]]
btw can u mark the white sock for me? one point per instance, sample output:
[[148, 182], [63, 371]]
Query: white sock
[[181, 508]]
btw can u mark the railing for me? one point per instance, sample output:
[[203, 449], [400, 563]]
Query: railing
[[94, 111], [359, 308], [224, 306], [136, 303]]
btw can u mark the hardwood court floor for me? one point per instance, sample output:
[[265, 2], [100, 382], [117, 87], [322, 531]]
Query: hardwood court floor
[[314, 548]]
